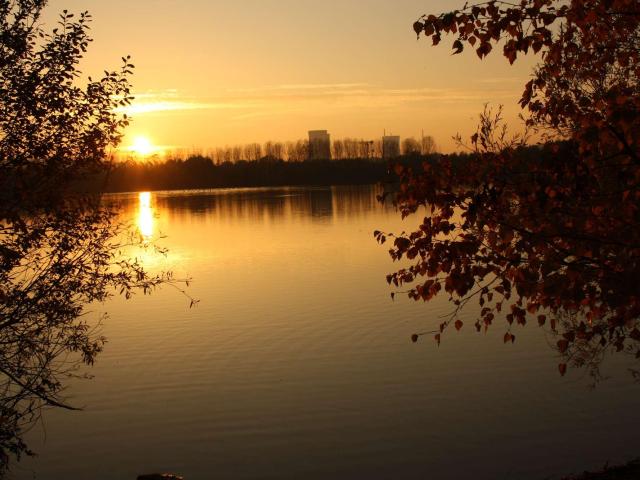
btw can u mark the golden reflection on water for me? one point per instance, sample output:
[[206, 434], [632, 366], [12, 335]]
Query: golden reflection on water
[[145, 215], [296, 338], [150, 217]]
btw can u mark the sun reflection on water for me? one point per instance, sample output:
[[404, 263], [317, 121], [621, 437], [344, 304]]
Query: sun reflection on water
[[145, 215]]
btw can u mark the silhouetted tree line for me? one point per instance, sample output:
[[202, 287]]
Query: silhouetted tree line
[[354, 162], [202, 172], [298, 151], [199, 171]]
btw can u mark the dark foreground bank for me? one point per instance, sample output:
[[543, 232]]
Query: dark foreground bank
[[630, 471]]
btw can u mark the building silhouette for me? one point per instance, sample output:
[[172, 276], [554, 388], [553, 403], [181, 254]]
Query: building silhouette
[[319, 145], [390, 146]]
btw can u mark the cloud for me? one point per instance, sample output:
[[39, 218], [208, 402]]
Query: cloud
[[157, 94], [167, 101], [494, 80], [138, 108], [291, 98], [345, 91], [300, 86]]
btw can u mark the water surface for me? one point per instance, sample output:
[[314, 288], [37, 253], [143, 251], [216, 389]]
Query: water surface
[[297, 364]]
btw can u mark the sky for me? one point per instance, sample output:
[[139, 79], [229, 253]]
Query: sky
[[211, 73]]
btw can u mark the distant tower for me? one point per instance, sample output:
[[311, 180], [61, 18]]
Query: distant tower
[[390, 146], [319, 145]]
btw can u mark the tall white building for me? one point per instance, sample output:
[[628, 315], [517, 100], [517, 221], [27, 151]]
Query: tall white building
[[319, 145], [390, 146]]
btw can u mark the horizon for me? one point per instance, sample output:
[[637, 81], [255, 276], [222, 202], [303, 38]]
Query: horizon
[[210, 74], [141, 148]]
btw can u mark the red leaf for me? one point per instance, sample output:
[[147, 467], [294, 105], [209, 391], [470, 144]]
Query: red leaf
[[563, 345]]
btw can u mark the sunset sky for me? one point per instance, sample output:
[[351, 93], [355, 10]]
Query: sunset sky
[[219, 72]]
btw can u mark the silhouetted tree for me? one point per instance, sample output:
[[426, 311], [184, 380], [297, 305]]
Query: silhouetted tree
[[350, 147], [428, 145], [410, 146], [252, 152], [377, 148], [278, 150], [557, 237], [218, 157], [58, 249], [301, 150], [338, 150], [236, 154]]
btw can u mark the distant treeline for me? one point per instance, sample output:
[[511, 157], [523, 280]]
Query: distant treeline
[[200, 171], [203, 172], [298, 151]]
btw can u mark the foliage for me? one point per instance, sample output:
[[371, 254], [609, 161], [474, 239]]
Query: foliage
[[555, 238], [51, 129], [59, 251], [627, 471]]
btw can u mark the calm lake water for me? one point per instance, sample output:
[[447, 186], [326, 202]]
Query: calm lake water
[[297, 364]]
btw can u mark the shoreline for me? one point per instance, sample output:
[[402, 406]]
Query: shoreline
[[627, 471]]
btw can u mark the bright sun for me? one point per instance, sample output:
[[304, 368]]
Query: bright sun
[[142, 146]]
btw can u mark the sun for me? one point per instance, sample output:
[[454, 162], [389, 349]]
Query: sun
[[142, 146]]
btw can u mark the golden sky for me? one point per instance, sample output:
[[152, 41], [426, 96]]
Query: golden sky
[[220, 72]]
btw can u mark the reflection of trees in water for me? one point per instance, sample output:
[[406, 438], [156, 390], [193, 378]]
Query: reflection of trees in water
[[253, 205], [265, 204], [357, 201]]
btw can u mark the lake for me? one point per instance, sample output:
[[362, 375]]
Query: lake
[[296, 363]]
